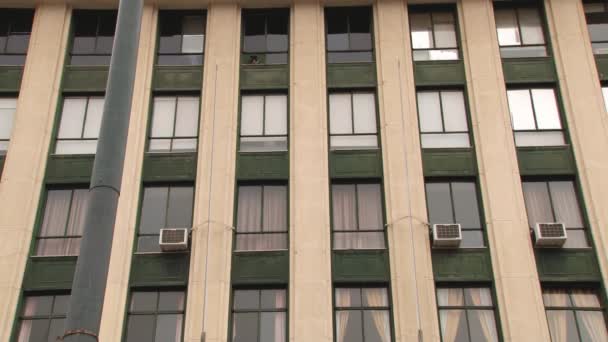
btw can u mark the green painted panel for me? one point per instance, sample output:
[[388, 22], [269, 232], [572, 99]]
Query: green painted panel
[[434, 73], [264, 76], [567, 265], [360, 266], [49, 273], [162, 269], [69, 169], [260, 268], [602, 66], [557, 160], [78, 78], [10, 78], [529, 70], [271, 165], [169, 167], [178, 77], [462, 265], [349, 164], [351, 75], [449, 162]]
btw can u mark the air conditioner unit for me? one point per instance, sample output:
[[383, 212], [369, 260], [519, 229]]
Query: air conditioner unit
[[447, 235], [551, 234], [173, 239]]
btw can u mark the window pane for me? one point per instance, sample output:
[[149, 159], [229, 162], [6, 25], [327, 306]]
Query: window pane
[[77, 211], [375, 297], [531, 28], [478, 296], [598, 32], [263, 144], [169, 328], [273, 326], [585, 298], [576, 239], [252, 115], [245, 327], [349, 326], [523, 51], [370, 207], [445, 140], [37, 306], [76, 147], [359, 240], [171, 301], [193, 39], [472, 239], [163, 116], [72, 117], [376, 326], [60, 307], [545, 106], [453, 326], [33, 330], [605, 94], [439, 203], [276, 115], [7, 113], [92, 125], [159, 145], [450, 297], [254, 39], [344, 207], [565, 204], [340, 111], [179, 213], [273, 299], [538, 205], [56, 212], [246, 299], [435, 55], [143, 301], [445, 31], [186, 123], [520, 106], [482, 326], [184, 145], [56, 329], [364, 113], [276, 36], [421, 27], [539, 138], [353, 142], [148, 244], [154, 210], [138, 328], [592, 326], [466, 205], [261, 242], [275, 208], [249, 211], [506, 26], [337, 28], [562, 326], [360, 29], [454, 114], [429, 110], [556, 298]]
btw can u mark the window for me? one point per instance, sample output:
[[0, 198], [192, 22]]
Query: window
[[8, 107], [520, 32], [265, 36], [556, 201], [63, 222], [466, 314], [349, 34], [93, 37], [575, 315], [262, 222], [535, 117], [15, 30], [433, 35], [443, 119], [182, 38], [174, 124], [156, 316], [456, 202], [605, 94], [263, 123], [352, 121], [168, 206], [597, 25], [42, 318], [259, 315], [80, 125], [362, 314], [357, 217]]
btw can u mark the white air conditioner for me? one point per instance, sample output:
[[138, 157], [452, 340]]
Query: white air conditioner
[[550, 234], [173, 239], [447, 235]]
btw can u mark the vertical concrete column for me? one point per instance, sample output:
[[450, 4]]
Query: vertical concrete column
[[584, 111], [516, 280], [209, 285], [414, 306], [126, 217], [310, 250], [26, 160]]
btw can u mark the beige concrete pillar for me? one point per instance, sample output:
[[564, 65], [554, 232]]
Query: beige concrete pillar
[[516, 280], [209, 285], [413, 288], [117, 286], [23, 175], [310, 309], [585, 114]]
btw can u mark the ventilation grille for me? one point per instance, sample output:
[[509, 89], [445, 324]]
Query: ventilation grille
[[551, 234], [173, 239], [447, 235]]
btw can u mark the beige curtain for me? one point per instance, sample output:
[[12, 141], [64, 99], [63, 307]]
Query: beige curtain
[[76, 221], [483, 297], [379, 298], [342, 300], [591, 321], [275, 218], [450, 319], [249, 218], [537, 202], [54, 222], [557, 319], [280, 317], [25, 331]]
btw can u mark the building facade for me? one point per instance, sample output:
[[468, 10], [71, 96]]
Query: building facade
[[311, 148]]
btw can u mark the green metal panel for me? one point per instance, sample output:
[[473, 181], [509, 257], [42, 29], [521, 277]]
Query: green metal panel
[[557, 160], [162, 269], [65, 169], [49, 273], [351, 75], [178, 78], [529, 70], [78, 78], [462, 265], [271, 165], [351, 164], [448, 162], [602, 66], [169, 167], [436, 73], [567, 265], [360, 266], [10, 78], [260, 268], [264, 76]]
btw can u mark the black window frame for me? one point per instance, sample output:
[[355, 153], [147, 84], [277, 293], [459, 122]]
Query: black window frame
[[349, 11], [435, 9], [87, 97], [10, 18], [351, 92], [258, 310], [5, 142], [156, 312], [167, 15], [263, 94], [261, 57], [102, 57], [21, 317], [515, 6], [172, 138]]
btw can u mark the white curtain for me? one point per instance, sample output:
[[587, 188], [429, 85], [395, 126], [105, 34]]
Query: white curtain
[[344, 213], [450, 319], [280, 318], [592, 322], [76, 221], [565, 203], [249, 217], [54, 222], [379, 298], [25, 331], [537, 201], [557, 319], [275, 217], [483, 297], [342, 300]]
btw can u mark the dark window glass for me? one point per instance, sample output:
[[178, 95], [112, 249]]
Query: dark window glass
[[456, 202], [181, 38], [362, 314], [15, 31], [520, 32], [163, 207], [42, 318], [349, 34], [259, 315], [265, 36], [93, 37], [155, 316]]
